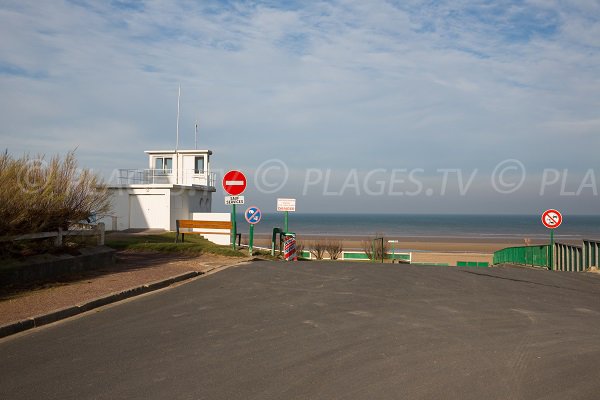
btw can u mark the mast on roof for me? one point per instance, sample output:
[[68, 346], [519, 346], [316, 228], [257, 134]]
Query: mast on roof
[[177, 139]]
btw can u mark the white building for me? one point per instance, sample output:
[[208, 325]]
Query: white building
[[176, 184]]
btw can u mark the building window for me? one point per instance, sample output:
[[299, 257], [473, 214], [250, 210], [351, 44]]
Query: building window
[[163, 164], [199, 165]]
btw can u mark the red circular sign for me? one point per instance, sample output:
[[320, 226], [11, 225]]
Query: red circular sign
[[551, 219], [234, 182]]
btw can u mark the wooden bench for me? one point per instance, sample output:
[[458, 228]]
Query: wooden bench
[[189, 224]]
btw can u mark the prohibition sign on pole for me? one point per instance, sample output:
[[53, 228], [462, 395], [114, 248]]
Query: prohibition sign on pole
[[234, 182], [551, 219], [253, 215]]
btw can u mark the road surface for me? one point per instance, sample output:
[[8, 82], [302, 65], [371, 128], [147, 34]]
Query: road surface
[[325, 330]]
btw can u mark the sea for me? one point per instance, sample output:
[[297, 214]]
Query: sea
[[427, 225]]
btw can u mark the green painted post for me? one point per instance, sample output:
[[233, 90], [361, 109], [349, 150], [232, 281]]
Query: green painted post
[[393, 252], [233, 227], [275, 232], [551, 250], [373, 250], [382, 250], [285, 222], [251, 239]]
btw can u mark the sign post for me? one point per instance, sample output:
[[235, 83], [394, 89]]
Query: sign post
[[393, 242], [286, 205], [551, 220], [253, 216], [234, 183]]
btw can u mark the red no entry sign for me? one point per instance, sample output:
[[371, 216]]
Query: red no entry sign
[[551, 219], [234, 182]]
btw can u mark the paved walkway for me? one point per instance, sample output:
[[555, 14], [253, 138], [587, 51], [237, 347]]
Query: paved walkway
[[133, 269]]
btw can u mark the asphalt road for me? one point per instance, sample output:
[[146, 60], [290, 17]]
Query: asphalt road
[[329, 330]]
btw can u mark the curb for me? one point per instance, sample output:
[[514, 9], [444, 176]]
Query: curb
[[40, 320]]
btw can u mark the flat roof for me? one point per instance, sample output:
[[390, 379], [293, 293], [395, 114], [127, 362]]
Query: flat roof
[[178, 151]]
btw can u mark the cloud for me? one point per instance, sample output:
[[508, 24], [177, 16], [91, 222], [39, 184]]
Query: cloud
[[319, 84]]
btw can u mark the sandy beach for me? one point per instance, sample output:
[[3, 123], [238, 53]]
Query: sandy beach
[[415, 243], [442, 250]]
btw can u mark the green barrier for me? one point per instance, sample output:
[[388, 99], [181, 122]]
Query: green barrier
[[471, 264], [535, 256], [359, 255], [434, 264], [397, 256], [304, 254], [347, 255]]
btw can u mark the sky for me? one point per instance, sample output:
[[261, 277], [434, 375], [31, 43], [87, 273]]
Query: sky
[[348, 106]]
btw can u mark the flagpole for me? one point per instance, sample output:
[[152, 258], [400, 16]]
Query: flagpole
[[177, 141]]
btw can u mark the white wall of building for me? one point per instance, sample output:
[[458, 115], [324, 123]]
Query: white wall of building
[[155, 207], [139, 208], [149, 209]]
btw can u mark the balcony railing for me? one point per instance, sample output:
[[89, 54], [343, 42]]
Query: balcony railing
[[164, 176]]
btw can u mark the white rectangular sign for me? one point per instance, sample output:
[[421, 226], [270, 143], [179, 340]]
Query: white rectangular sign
[[229, 200], [286, 204]]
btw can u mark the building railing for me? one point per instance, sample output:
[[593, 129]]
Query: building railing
[[153, 176], [191, 177]]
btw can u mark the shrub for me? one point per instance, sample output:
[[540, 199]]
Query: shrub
[[334, 248], [39, 196], [367, 248], [318, 249], [380, 250]]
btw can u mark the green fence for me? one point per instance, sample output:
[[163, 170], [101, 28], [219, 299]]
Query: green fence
[[359, 255], [536, 256], [476, 264]]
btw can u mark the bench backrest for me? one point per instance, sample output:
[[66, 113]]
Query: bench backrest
[[188, 223]]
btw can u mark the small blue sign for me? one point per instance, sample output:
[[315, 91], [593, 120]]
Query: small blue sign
[[253, 215]]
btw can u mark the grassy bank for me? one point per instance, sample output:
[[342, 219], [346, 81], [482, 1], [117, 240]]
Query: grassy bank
[[165, 243]]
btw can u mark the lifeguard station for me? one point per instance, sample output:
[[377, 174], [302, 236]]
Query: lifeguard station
[[177, 185]]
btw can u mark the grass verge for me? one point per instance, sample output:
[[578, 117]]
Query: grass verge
[[165, 243]]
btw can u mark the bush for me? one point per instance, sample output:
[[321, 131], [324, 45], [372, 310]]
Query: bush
[[318, 250], [380, 251], [334, 248], [367, 248], [40, 196]]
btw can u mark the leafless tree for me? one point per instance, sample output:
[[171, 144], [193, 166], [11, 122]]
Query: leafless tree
[[367, 247], [381, 249], [334, 248], [318, 249]]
